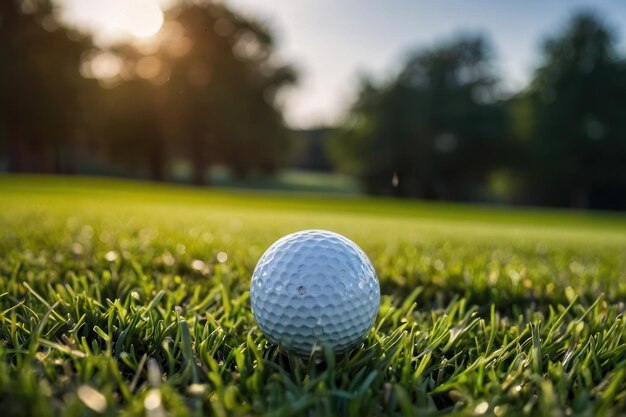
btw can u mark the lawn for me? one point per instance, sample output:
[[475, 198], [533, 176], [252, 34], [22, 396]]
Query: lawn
[[112, 300]]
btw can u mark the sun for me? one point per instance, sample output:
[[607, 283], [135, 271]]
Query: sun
[[143, 18]]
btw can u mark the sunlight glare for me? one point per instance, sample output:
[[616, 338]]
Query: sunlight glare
[[144, 18], [115, 21]]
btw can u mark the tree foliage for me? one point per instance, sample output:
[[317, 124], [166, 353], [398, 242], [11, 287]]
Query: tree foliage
[[224, 91], [40, 87], [574, 111], [439, 131], [435, 128], [206, 93]]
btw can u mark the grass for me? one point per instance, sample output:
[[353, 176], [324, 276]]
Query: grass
[[112, 301]]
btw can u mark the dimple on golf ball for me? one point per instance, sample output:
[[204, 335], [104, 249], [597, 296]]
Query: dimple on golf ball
[[314, 288]]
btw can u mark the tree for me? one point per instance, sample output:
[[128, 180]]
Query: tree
[[436, 127], [206, 93], [135, 129], [39, 85], [222, 91], [577, 101]]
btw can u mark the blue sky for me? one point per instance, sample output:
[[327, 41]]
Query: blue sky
[[331, 42]]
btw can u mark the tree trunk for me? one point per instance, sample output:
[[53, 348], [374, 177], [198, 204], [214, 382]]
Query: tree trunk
[[579, 197], [199, 159], [156, 162], [18, 152]]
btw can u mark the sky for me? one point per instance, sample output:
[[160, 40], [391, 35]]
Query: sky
[[333, 42]]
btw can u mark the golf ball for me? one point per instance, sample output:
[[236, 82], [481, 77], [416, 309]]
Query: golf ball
[[314, 288]]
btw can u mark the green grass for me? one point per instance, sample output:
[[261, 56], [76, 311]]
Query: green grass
[[112, 301]]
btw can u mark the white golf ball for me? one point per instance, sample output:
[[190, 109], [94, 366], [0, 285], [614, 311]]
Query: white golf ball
[[314, 288]]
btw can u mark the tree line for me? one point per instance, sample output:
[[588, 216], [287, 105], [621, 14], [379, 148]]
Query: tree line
[[442, 128], [205, 92]]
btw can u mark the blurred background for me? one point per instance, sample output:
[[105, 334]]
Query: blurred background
[[486, 101]]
